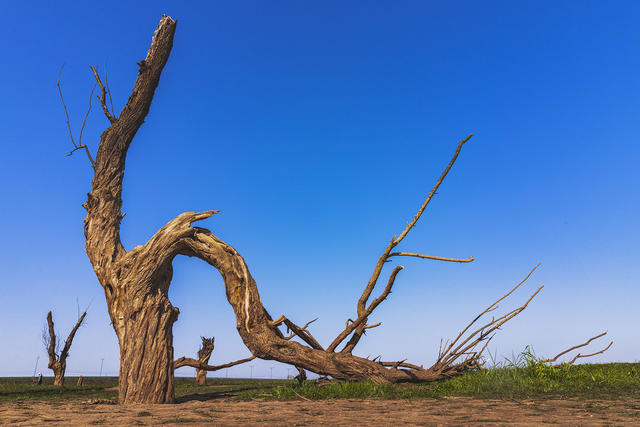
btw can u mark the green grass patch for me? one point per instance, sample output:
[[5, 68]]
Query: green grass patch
[[523, 377], [601, 381], [18, 389]]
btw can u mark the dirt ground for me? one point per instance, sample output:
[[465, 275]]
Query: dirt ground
[[448, 411]]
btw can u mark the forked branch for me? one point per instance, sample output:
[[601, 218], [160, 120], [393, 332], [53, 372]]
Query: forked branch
[[577, 347], [358, 326], [57, 358], [296, 330]]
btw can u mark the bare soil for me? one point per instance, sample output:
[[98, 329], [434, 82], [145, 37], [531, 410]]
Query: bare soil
[[447, 411]]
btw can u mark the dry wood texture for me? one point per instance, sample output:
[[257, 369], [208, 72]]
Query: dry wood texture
[[136, 283]]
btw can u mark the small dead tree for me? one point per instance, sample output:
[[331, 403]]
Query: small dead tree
[[136, 282], [57, 357], [201, 364], [203, 357]]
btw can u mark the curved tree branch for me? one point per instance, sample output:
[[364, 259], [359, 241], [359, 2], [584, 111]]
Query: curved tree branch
[[562, 353]]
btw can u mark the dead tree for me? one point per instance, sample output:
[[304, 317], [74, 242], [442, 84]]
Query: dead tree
[[57, 357], [203, 357], [136, 282], [201, 365]]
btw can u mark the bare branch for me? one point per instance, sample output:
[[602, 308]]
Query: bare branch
[[84, 121], [362, 310], [450, 354], [487, 310], [433, 192], [187, 361], [579, 346], [86, 149], [53, 357], [373, 326], [66, 112], [303, 332], [589, 355], [67, 343], [103, 96], [360, 321], [278, 321], [301, 397], [482, 333], [366, 293], [79, 145], [437, 258], [106, 83]]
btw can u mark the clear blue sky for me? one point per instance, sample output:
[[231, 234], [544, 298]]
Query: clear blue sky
[[318, 128]]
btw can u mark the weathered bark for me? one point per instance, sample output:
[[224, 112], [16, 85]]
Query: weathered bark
[[58, 359], [135, 285], [146, 350]]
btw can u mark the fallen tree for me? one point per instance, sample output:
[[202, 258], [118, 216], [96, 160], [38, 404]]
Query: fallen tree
[[57, 356], [136, 282]]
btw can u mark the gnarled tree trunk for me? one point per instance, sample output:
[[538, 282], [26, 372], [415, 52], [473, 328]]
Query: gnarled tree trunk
[[136, 283]]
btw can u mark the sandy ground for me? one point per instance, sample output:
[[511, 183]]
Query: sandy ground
[[449, 411]]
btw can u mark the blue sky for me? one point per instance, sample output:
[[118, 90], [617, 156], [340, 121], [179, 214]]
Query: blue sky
[[317, 129]]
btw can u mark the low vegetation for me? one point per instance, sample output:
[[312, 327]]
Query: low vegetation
[[522, 377], [602, 381]]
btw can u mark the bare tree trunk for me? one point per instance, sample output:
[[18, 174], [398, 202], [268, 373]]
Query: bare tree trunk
[[58, 373], [204, 354], [146, 352], [201, 376]]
